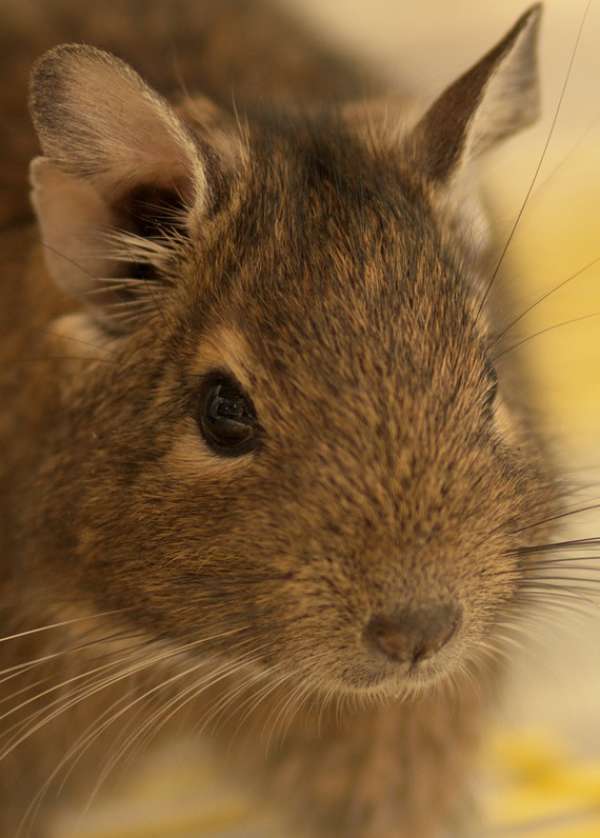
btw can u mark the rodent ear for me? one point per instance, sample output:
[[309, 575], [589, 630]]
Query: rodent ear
[[495, 99], [119, 170]]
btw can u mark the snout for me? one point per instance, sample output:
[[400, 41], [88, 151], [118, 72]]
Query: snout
[[413, 635]]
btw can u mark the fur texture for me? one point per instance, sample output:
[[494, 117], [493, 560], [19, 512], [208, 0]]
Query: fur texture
[[321, 256]]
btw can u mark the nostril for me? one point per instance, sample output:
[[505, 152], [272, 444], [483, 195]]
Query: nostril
[[413, 635]]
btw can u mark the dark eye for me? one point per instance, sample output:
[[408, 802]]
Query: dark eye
[[226, 417]]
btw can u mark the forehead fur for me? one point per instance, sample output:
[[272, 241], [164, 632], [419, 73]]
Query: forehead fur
[[333, 245]]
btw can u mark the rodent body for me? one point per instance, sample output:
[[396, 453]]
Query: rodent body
[[345, 532]]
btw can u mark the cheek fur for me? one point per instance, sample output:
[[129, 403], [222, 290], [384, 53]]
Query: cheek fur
[[189, 458]]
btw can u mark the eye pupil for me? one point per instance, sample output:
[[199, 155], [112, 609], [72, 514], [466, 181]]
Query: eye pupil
[[226, 403], [227, 418]]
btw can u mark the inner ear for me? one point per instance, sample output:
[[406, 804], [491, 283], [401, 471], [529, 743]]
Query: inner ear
[[121, 184], [108, 254], [146, 218]]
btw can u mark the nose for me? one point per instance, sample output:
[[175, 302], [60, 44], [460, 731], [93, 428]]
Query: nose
[[413, 635]]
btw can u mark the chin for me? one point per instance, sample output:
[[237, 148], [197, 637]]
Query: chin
[[388, 684]]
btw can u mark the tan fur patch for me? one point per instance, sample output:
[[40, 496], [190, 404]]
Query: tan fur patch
[[190, 458], [225, 349]]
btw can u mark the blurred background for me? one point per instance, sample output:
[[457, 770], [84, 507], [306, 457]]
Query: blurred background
[[541, 773]]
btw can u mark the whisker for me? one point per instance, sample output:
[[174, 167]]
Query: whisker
[[73, 339], [68, 259], [77, 695], [35, 803], [62, 684], [98, 730], [588, 130], [227, 669], [572, 544], [24, 689], [182, 698], [562, 593], [568, 561], [549, 583], [289, 708], [166, 712], [145, 663], [232, 695], [493, 652], [543, 332], [558, 517], [540, 163], [557, 598], [81, 645], [141, 304], [59, 358], [543, 297], [256, 698], [63, 623]]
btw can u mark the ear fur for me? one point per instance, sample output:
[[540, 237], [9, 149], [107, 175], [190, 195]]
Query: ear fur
[[495, 99], [97, 119], [116, 158]]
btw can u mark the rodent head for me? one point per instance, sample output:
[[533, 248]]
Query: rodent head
[[288, 424]]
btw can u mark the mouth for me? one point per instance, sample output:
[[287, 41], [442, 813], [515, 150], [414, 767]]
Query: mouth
[[395, 680]]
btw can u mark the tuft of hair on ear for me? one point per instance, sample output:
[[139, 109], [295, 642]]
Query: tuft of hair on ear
[[492, 101], [120, 181]]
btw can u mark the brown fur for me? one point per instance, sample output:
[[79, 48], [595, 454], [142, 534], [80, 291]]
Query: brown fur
[[323, 260]]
